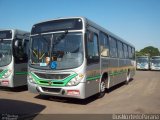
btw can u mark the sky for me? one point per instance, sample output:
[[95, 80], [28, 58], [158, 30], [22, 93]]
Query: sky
[[136, 21]]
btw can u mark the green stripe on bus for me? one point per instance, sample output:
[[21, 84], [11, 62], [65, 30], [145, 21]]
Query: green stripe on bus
[[21, 73], [111, 74], [93, 77], [117, 73]]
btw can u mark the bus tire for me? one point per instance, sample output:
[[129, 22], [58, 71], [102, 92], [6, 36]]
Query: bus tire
[[128, 77], [102, 88]]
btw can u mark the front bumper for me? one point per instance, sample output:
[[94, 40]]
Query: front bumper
[[142, 68], [67, 91], [155, 68]]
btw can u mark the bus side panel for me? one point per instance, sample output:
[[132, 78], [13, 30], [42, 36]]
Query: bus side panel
[[105, 68], [122, 69], [133, 69], [132, 72], [113, 68], [20, 74], [92, 79]]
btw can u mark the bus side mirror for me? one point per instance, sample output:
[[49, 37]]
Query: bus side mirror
[[90, 37], [23, 41], [17, 47], [16, 43]]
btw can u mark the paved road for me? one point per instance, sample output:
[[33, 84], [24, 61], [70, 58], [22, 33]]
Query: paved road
[[141, 95]]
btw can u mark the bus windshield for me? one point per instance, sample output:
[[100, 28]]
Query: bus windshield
[[157, 61], [62, 49], [5, 52], [142, 60]]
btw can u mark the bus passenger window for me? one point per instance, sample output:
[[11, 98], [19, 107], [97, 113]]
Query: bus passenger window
[[130, 52], [92, 49], [120, 50], [125, 48], [133, 53], [113, 47], [104, 45]]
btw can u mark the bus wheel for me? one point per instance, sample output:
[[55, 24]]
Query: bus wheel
[[128, 77], [102, 89]]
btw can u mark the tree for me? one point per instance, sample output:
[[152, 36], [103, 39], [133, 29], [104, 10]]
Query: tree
[[138, 53], [150, 51]]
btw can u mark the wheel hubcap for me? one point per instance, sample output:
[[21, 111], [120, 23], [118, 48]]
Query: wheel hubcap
[[103, 86]]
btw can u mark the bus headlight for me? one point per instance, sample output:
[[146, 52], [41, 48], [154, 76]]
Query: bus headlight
[[7, 74], [30, 79], [76, 80]]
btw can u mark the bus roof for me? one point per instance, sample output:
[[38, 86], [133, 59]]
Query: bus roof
[[154, 57], [17, 32], [93, 24], [142, 56]]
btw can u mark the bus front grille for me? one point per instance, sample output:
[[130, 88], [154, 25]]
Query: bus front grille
[[52, 76]]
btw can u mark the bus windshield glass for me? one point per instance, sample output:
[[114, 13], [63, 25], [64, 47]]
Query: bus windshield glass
[[142, 60], [5, 52], [7, 34], [155, 60], [56, 51]]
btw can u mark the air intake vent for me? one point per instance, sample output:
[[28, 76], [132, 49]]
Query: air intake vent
[[52, 76], [55, 90]]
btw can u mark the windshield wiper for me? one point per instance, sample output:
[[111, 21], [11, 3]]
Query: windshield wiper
[[58, 54], [59, 38]]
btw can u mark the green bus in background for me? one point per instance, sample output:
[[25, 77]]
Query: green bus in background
[[13, 57], [155, 63], [143, 62]]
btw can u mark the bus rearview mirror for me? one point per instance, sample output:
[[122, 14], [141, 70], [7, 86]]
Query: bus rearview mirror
[[90, 37], [16, 43], [23, 41]]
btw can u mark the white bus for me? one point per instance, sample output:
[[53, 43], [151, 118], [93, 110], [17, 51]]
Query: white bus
[[75, 57], [13, 57], [155, 63], [143, 62]]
